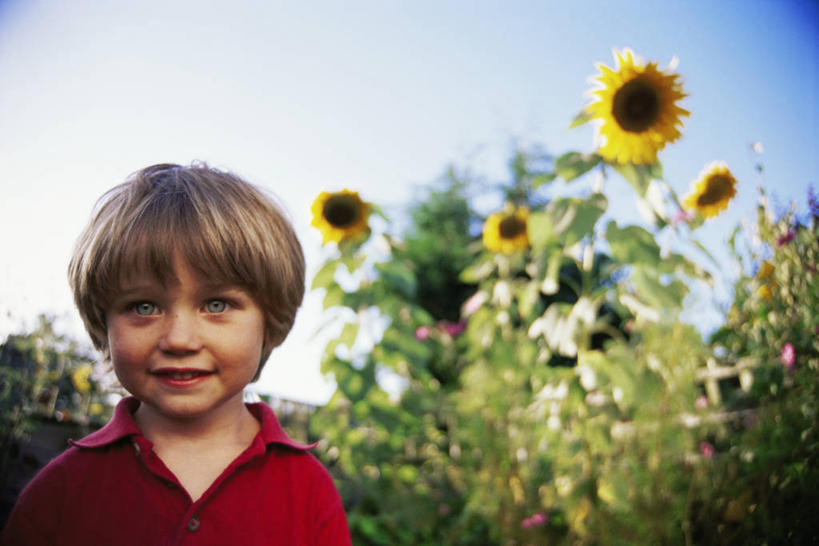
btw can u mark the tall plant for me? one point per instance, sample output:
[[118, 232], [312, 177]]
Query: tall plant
[[543, 387]]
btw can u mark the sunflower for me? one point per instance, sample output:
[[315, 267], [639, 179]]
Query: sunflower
[[765, 271], [712, 191], [636, 109], [506, 231], [765, 291], [339, 215], [80, 378]]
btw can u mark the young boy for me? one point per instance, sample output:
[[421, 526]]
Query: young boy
[[186, 279]]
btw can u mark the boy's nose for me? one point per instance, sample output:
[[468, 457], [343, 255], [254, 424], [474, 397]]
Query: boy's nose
[[180, 334]]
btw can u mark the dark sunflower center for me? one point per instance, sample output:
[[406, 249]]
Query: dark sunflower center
[[511, 226], [717, 187], [636, 106], [341, 211]]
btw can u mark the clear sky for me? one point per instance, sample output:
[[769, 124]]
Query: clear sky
[[376, 96]]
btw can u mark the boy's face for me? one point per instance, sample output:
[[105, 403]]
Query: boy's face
[[188, 349]]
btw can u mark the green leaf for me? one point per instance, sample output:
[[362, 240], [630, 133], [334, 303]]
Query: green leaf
[[574, 164], [575, 218], [405, 344], [325, 275], [334, 296], [679, 263], [639, 176], [542, 178], [482, 268], [541, 231], [353, 261], [632, 245], [399, 276], [583, 117], [528, 296], [656, 294], [348, 334]]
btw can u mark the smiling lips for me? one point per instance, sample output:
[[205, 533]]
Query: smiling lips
[[181, 377]]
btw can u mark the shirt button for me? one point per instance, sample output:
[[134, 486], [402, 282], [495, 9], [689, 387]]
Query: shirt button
[[193, 524]]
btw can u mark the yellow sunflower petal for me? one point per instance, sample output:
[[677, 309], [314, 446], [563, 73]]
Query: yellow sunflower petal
[[635, 107], [766, 269], [339, 215], [712, 190], [80, 378], [506, 231]]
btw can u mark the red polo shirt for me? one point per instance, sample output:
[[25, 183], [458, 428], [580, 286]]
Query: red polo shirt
[[111, 488]]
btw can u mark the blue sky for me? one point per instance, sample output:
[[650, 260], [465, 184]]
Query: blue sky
[[376, 96]]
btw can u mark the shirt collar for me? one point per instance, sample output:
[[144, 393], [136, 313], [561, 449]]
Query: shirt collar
[[122, 425]]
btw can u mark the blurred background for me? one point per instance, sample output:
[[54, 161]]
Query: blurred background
[[377, 97]]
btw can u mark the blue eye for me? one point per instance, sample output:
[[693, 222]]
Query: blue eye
[[216, 306], [144, 308]]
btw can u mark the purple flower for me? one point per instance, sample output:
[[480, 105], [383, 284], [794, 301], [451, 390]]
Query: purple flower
[[422, 332], [534, 520], [707, 450], [788, 356], [813, 202], [452, 328], [785, 239]]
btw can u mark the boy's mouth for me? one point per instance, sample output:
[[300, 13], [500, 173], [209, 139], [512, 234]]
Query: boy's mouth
[[180, 374]]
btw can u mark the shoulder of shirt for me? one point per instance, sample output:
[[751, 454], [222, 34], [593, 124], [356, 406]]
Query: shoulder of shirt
[[122, 425], [271, 431]]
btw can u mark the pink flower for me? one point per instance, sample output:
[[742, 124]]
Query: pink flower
[[422, 332], [474, 303], [540, 518], [707, 450], [785, 239], [681, 216], [788, 356], [452, 328], [701, 402]]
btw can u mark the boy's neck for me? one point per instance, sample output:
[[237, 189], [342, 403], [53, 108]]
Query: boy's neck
[[233, 423]]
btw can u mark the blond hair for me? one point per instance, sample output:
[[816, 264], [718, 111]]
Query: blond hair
[[225, 228]]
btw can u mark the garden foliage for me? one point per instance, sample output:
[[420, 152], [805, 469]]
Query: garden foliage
[[534, 383], [46, 375]]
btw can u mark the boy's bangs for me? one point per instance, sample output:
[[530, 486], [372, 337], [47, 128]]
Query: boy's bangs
[[165, 231]]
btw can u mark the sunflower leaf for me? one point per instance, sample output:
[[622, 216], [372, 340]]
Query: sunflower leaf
[[638, 176], [352, 261], [528, 295], [348, 334], [582, 118], [325, 275], [479, 270], [398, 276], [574, 218], [656, 294], [574, 164], [542, 178], [632, 245], [334, 296], [541, 230]]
